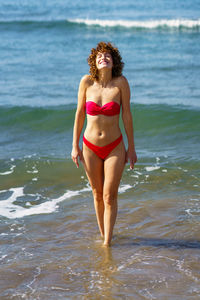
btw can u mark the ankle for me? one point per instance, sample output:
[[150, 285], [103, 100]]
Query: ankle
[[106, 244]]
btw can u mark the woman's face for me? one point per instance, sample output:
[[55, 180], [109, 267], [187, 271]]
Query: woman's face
[[104, 60]]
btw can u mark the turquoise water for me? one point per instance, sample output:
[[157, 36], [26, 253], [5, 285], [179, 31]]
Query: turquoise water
[[50, 246]]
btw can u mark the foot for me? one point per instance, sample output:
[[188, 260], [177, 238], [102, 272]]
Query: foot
[[106, 244]]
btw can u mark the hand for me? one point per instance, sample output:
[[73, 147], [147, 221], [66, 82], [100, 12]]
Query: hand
[[76, 153], [132, 156]]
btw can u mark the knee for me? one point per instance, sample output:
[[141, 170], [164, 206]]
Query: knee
[[98, 196], [110, 198]]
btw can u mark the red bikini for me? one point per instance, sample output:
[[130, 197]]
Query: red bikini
[[109, 109]]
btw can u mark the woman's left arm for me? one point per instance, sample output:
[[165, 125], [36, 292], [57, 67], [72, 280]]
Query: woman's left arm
[[128, 121]]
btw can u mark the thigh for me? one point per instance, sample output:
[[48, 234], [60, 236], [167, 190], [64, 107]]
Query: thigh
[[113, 169], [94, 168]]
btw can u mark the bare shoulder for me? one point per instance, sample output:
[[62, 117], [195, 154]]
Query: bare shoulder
[[123, 85], [122, 81], [86, 81]]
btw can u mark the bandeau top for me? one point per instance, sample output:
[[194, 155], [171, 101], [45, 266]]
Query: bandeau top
[[109, 109]]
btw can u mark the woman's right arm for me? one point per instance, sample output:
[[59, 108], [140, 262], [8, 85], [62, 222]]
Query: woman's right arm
[[79, 120]]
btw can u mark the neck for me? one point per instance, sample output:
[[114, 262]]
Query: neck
[[105, 76]]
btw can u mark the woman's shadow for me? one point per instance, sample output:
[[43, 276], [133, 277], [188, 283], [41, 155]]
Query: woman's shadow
[[156, 242]]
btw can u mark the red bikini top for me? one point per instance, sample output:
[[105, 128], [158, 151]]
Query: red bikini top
[[109, 109]]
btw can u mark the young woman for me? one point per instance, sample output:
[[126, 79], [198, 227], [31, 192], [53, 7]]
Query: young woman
[[101, 96]]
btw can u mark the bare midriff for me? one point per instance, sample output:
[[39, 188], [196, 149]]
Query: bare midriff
[[102, 130]]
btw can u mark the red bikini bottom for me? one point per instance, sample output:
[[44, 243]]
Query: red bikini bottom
[[104, 151]]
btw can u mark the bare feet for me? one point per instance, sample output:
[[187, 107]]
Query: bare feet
[[105, 244]]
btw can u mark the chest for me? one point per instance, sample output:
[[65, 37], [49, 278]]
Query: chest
[[102, 95]]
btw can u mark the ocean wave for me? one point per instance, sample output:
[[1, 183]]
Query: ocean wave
[[57, 118], [34, 24], [10, 210], [164, 24], [147, 24], [61, 118]]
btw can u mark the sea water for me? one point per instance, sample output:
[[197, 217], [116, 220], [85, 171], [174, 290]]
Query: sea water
[[50, 245]]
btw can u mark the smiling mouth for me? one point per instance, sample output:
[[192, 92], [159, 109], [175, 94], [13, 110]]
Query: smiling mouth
[[103, 62]]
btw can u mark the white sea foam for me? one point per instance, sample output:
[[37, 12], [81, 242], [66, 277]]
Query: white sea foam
[[153, 168], [139, 173], [34, 179], [32, 171], [2, 257], [188, 211], [136, 176], [124, 188], [195, 199], [3, 191], [9, 172], [149, 24], [10, 210]]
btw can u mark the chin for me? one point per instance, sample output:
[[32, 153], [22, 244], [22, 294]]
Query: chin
[[105, 67]]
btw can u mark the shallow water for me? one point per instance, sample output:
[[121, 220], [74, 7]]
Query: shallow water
[[155, 250], [59, 257], [50, 244]]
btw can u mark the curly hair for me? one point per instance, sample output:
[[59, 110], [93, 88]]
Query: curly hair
[[117, 59]]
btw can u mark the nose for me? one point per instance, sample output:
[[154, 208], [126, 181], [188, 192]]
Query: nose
[[103, 55]]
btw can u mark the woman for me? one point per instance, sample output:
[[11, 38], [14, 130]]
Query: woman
[[101, 95]]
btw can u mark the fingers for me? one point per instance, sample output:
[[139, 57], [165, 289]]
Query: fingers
[[76, 156], [133, 161], [131, 164], [76, 162]]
